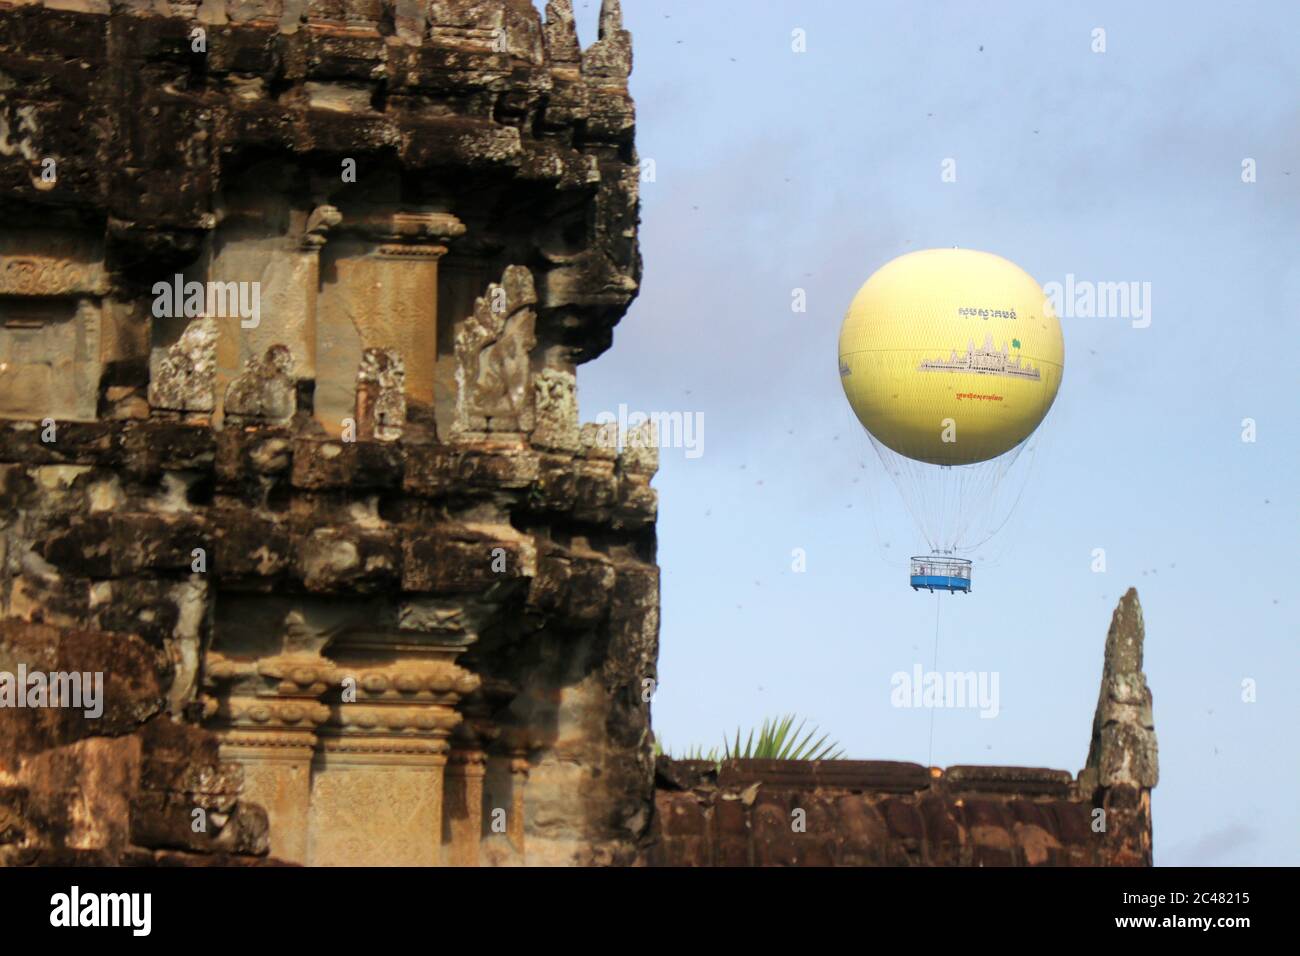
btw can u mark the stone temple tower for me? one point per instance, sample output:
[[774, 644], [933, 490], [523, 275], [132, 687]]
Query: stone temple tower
[[292, 296]]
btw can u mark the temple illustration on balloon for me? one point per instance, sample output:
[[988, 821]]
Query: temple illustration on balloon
[[985, 360]]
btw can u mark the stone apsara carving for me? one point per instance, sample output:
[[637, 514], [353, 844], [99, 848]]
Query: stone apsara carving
[[381, 395], [493, 347], [265, 390], [183, 378]]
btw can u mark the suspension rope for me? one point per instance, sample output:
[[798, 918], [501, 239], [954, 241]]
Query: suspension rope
[[938, 596]]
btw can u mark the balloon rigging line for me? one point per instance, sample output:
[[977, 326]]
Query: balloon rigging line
[[938, 597], [1014, 505]]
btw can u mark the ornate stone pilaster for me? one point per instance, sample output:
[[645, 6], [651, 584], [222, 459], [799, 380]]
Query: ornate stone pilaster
[[266, 713], [315, 234], [53, 323], [377, 790], [519, 767], [464, 805], [281, 275], [388, 300]]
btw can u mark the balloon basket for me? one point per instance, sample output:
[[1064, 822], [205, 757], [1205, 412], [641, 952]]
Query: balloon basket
[[938, 573]]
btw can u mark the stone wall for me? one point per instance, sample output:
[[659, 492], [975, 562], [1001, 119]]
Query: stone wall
[[875, 813], [865, 813], [122, 787]]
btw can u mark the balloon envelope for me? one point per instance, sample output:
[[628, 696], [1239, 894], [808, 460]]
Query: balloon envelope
[[951, 356]]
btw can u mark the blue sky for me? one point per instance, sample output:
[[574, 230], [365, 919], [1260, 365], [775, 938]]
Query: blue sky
[[777, 170]]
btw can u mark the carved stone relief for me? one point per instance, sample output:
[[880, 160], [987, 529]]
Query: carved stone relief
[[493, 357]]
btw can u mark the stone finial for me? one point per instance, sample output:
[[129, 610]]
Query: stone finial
[[641, 449], [410, 20], [487, 26], [1123, 749], [319, 223], [611, 18], [183, 378], [560, 33], [265, 391], [555, 399], [599, 440], [381, 395], [610, 57], [363, 13]]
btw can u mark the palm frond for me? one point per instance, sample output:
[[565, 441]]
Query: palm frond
[[777, 739]]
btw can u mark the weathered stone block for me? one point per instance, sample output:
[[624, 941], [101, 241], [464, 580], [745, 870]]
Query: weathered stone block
[[457, 560], [596, 490], [158, 542], [903, 820], [323, 464], [248, 453], [250, 548], [984, 814], [436, 470], [84, 548], [143, 606], [863, 835], [556, 488], [89, 443], [346, 558], [943, 829], [150, 448], [681, 815], [575, 588], [1037, 847], [130, 689]]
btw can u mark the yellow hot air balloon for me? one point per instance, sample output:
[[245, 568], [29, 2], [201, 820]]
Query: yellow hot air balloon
[[950, 358]]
